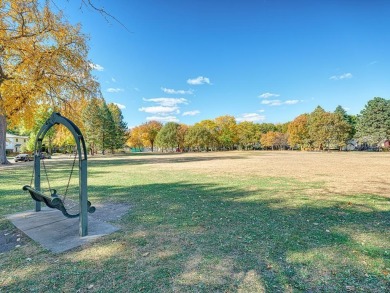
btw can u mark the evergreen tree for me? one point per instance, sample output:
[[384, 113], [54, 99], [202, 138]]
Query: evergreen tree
[[93, 124], [108, 130], [373, 124], [119, 138], [350, 119]]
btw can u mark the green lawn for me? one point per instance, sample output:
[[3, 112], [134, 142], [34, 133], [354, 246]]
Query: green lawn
[[213, 232]]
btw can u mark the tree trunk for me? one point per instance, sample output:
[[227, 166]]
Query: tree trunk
[[3, 131]]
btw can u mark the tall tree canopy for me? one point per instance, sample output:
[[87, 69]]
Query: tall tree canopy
[[226, 131], [298, 132], [120, 127], [248, 134], [43, 60], [168, 136], [373, 124], [150, 131]]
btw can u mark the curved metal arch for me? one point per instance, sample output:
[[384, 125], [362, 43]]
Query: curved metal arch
[[55, 119]]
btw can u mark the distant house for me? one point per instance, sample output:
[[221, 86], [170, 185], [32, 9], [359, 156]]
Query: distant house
[[352, 145], [14, 143]]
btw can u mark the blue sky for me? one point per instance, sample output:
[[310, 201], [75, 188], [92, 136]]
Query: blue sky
[[262, 61]]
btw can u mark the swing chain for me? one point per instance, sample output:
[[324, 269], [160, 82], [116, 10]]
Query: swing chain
[[70, 176], [47, 176], [48, 181]]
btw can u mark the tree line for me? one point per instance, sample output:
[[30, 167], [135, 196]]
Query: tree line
[[102, 126], [319, 130]]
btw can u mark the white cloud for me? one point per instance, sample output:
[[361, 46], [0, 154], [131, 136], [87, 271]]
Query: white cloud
[[272, 102], [163, 118], [174, 92], [198, 80], [96, 67], [251, 117], [161, 110], [291, 102], [113, 79], [164, 108], [268, 95], [167, 102], [114, 90], [342, 76], [191, 113], [279, 102], [136, 89], [120, 106]]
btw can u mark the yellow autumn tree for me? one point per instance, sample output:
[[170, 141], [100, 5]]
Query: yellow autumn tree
[[135, 137], [43, 60], [149, 131]]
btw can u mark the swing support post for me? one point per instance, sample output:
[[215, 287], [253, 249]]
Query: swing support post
[[37, 178], [84, 205]]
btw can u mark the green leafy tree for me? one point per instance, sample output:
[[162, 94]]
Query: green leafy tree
[[316, 126], [327, 129], [120, 126], [373, 124], [167, 137], [93, 124], [198, 137], [40, 118], [226, 131], [282, 127], [212, 128], [266, 127], [108, 129], [248, 134], [181, 134], [350, 119]]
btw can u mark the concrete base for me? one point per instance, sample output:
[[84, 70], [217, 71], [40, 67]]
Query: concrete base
[[57, 233]]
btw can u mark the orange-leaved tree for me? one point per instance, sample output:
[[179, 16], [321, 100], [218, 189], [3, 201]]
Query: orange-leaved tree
[[43, 60], [299, 132]]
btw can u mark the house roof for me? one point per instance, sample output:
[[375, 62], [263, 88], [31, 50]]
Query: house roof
[[9, 135]]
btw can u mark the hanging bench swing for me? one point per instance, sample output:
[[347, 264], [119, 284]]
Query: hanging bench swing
[[54, 201]]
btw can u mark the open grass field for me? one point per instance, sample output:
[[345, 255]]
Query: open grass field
[[218, 222]]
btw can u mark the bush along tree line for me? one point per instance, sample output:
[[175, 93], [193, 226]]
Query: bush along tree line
[[318, 130]]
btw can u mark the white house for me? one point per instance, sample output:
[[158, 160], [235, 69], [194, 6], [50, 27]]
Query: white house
[[14, 143]]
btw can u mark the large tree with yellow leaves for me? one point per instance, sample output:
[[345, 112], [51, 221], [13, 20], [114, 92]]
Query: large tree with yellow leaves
[[43, 61]]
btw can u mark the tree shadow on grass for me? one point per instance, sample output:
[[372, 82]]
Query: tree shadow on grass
[[159, 159], [185, 237]]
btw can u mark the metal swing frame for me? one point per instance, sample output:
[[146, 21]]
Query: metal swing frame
[[85, 206]]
